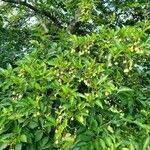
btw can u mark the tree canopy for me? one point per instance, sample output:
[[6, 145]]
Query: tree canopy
[[75, 74], [22, 20]]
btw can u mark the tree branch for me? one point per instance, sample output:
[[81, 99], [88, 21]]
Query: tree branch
[[36, 10]]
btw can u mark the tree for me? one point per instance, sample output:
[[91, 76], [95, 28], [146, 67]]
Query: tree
[[84, 80], [75, 17]]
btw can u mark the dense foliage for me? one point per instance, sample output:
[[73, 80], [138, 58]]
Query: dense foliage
[[82, 80]]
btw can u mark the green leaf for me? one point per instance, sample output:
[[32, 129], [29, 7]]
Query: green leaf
[[80, 119], [102, 143], [79, 144], [94, 124], [144, 126], [48, 145], [18, 146], [84, 137], [125, 89], [146, 142], [108, 141], [99, 103], [38, 135], [3, 146], [81, 95], [31, 147], [51, 120], [33, 124], [44, 141], [6, 136], [102, 79], [96, 144], [37, 86], [131, 146]]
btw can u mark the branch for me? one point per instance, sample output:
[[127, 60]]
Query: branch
[[36, 10]]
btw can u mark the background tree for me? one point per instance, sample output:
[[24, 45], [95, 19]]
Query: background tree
[[20, 20]]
